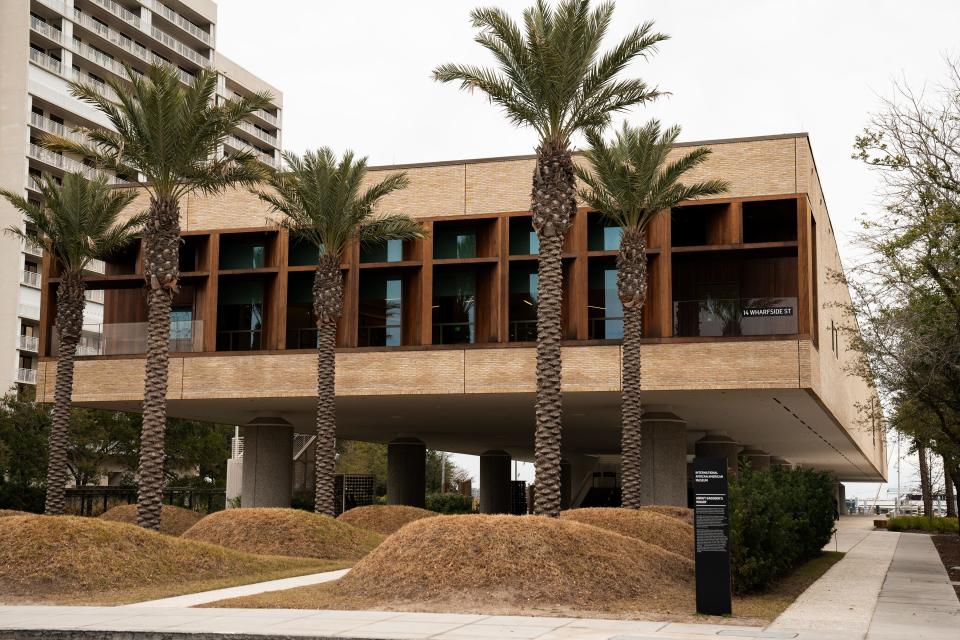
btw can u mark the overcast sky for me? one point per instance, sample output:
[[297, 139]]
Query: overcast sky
[[357, 75]]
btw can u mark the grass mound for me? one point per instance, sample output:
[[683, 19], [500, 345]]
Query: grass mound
[[284, 532], [680, 513], [383, 518], [6, 513], [173, 520], [509, 560], [648, 526], [70, 559]]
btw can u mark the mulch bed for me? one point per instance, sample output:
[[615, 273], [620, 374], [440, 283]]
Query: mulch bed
[[949, 548]]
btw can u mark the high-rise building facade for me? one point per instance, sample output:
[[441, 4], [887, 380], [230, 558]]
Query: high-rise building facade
[[44, 44]]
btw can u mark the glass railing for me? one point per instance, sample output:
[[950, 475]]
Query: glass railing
[[522, 331], [32, 248], [102, 59], [56, 5], [94, 295], [303, 338], [240, 340], [180, 21], [386, 335], [606, 328], [46, 29], [97, 266], [241, 145], [30, 278], [125, 338], [180, 48], [735, 317], [48, 125], [111, 35], [28, 343], [259, 133], [119, 11], [28, 311], [454, 333], [27, 376], [45, 61]]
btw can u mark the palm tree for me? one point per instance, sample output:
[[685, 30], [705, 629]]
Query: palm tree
[[170, 135], [631, 180], [552, 77], [323, 201], [74, 223]]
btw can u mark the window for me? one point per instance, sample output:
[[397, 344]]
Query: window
[[240, 314], [244, 250], [389, 251], [523, 303], [604, 310], [381, 309], [602, 234], [181, 328], [454, 307], [523, 239], [454, 240]]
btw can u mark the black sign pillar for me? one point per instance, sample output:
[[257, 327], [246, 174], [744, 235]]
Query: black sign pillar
[[711, 523]]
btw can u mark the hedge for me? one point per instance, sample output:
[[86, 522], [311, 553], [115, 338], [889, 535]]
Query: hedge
[[922, 523], [779, 519], [449, 503]]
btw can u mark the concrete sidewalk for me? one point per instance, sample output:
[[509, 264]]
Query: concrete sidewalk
[[205, 597]]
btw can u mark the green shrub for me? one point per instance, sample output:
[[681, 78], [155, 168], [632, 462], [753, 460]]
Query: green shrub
[[922, 523], [778, 519], [449, 503], [20, 498]]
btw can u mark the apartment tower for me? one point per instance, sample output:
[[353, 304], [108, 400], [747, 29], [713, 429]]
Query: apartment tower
[[44, 44]]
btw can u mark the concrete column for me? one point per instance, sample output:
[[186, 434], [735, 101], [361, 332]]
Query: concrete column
[[663, 467], [758, 459], [406, 472], [842, 499], [719, 446], [267, 463], [495, 482]]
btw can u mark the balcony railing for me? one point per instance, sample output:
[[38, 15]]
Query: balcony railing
[[97, 266], [28, 343], [56, 5], [102, 87], [27, 376], [126, 338], [735, 317], [240, 340], [45, 61], [102, 59], [454, 333], [30, 278], [111, 35], [522, 331], [259, 133], [384, 335], [32, 248], [94, 295], [241, 145], [119, 11], [180, 21], [48, 125], [188, 53], [606, 328], [46, 29]]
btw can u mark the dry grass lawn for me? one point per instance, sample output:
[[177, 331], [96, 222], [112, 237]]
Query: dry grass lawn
[[173, 520], [284, 532], [649, 526], [383, 518], [493, 564], [681, 513], [6, 513], [67, 559]]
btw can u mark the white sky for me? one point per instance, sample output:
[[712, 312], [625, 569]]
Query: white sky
[[357, 75]]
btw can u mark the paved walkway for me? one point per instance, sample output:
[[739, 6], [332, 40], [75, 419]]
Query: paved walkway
[[204, 597]]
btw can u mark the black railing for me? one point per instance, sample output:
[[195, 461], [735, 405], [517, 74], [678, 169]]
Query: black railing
[[453, 332], [92, 501], [303, 338], [600, 330], [376, 335], [522, 331], [239, 340]]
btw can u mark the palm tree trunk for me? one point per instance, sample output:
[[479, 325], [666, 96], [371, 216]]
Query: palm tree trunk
[[327, 305], [161, 249], [949, 493], [926, 488], [632, 286], [69, 324], [553, 203]]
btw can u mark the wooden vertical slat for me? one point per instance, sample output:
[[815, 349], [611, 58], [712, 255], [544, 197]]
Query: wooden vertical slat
[[735, 223], [426, 286], [210, 298], [663, 289], [577, 238], [503, 295], [347, 327], [281, 284], [804, 276]]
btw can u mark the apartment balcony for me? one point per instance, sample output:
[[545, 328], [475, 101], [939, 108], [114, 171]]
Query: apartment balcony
[[27, 376], [257, 133], [46, 124], [56, 5], [94, 295], [48, 31], [267, 117], [190, 54], [32, 249], [128, 338], [67, 164], [101, 87], [241, 145], [97, 266], [119, 11], [43, 60], [28, 343], [30, 278], [175, 18], [110, 64], [112, 36]]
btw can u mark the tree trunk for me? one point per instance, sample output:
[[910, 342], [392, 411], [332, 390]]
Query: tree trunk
[[632, 287], [926, 491], [955, 476], [161, 250], [950, 494], [69, 323], [327, 306], [553, 202]]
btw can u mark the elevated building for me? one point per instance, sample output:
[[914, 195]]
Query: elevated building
[[44, 44], [742, 357]]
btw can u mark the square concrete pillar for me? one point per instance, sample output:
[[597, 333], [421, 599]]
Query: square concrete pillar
[[406, 472], [495, 487], [664, 463], [267, 464]]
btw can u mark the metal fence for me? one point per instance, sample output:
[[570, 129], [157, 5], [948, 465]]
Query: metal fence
[[352, 491], [92, 501]]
